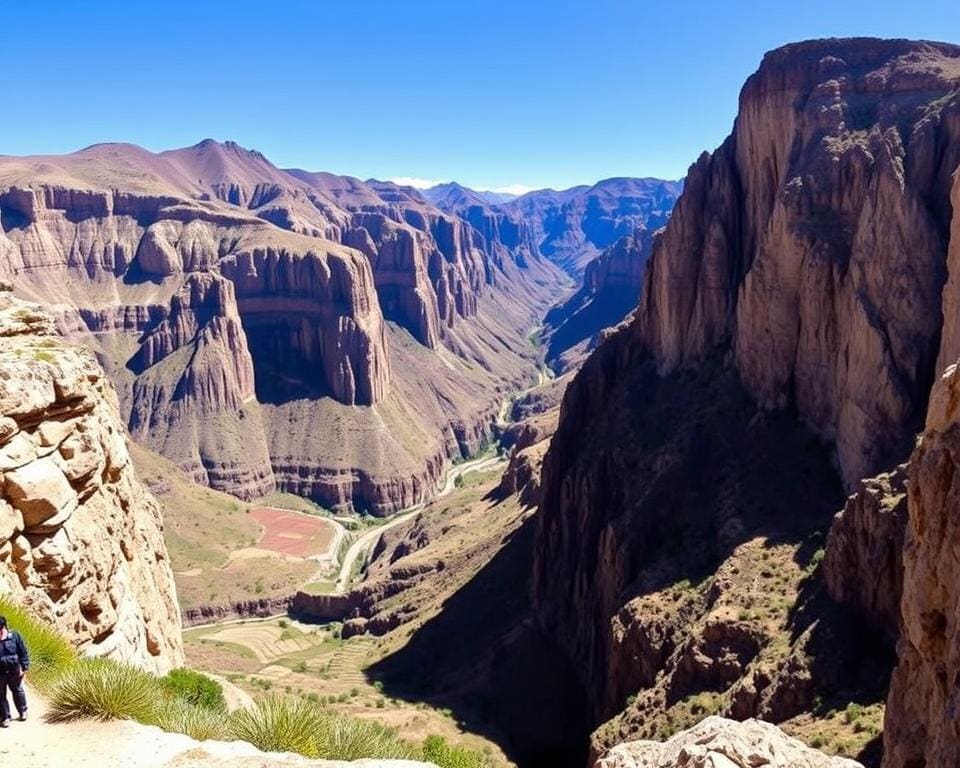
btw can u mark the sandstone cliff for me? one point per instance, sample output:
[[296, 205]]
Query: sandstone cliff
[[81, 539]]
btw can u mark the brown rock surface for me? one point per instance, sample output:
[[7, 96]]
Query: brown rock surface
[[863, 563], [921, 725], [81, 540], [814, 241], [800, 275]]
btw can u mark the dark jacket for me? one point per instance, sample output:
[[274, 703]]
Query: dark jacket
[[13, 653]]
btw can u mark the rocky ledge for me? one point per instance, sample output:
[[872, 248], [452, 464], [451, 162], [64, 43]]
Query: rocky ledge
[[81, 539], [720, 743]]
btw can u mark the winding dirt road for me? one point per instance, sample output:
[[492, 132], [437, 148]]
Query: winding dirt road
[[364, 545]]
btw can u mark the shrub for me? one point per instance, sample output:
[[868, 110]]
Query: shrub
[[277, 724], [437, 750], [347, 738], [105, 690], [195, 688], [852, 712], [50, 653], [179, 716]]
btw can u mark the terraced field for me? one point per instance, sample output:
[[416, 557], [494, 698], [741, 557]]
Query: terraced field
[[286, 656]]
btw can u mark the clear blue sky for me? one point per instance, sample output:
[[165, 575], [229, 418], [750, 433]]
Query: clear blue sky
[[549, 93]]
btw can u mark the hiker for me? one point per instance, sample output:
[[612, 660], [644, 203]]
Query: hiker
[[14, 663]]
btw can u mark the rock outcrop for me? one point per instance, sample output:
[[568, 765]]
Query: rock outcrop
[[81, 540], [921, 726], [720, 743], [863, 561]]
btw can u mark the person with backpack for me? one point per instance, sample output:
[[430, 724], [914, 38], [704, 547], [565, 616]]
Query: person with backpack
[[14, 663]]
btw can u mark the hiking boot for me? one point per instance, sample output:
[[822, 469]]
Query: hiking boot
[[5, 723]]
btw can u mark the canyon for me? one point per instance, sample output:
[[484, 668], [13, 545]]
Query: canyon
[[704, 510]]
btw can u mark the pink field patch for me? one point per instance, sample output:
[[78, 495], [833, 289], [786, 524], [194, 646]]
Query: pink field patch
[[292, 533]]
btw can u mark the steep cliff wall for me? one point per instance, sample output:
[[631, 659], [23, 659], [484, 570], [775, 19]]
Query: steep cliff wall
[[81, 539], [798, 282], [814, 241], [921, 724]]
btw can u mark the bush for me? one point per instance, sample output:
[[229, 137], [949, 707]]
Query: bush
[[437, 750], [49, 652], [179, 716], [347, 738], [195, 688], [277, 724], [105, 690]]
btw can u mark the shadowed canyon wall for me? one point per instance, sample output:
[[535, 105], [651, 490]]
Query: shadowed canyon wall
[[802, 277]]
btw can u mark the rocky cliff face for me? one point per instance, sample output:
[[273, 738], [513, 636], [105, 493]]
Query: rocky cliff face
[[81, 539], [255, 321], [800, 275], [921, 724], [814, 241]]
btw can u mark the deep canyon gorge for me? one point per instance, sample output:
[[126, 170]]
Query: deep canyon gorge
[[645, 473]]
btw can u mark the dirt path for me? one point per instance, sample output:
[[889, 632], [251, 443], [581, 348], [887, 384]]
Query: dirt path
[[123, 744]]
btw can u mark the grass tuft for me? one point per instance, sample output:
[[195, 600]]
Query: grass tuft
[[277, 724], [50, 653], [102, 689]]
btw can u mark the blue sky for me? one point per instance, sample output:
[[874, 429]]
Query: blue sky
[[493, 93]]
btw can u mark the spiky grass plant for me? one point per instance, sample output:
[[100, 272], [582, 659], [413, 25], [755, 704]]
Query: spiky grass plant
[[197, 722], [50, 653], [278, 724], [102, 689]]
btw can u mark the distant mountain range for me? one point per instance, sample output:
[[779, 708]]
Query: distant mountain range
[[571, 227]]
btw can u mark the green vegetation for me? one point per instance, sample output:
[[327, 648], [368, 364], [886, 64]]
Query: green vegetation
[[186, 701], [102, 689], [49, 652], [437, 750], [195, 689]]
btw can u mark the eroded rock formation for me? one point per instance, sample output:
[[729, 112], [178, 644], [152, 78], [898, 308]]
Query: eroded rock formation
[[240, 311], [81, 539], [921, 727]]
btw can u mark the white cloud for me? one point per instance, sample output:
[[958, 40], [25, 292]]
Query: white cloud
[[509, 189], [416, 182]]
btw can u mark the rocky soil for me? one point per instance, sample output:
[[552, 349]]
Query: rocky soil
[[81, 539]]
